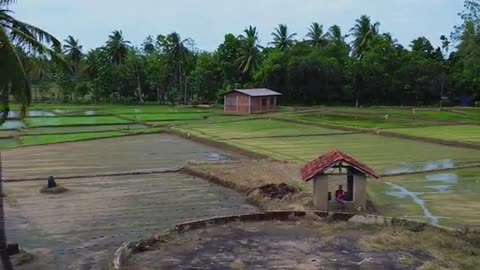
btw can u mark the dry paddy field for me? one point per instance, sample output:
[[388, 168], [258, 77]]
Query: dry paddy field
[[81, 228]]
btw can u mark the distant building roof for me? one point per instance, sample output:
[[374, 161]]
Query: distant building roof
[[257, 92], [329, 160]]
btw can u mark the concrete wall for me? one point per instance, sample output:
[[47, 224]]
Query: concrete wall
[[360, 191], [320, 193]]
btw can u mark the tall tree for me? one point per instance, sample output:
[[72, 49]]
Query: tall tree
[[335, 35], [282, 39], [73, 51], [117, 47], [316, 37], [13, 32], [175, 48], [249, 53], [363, 32]]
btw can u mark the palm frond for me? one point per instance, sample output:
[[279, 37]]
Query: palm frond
[[36, 33], [5, 3]]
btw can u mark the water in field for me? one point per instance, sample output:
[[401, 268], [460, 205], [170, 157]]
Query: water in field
[[402, 192], [423, 167], [17, 114], [89, 113], [12, 124]]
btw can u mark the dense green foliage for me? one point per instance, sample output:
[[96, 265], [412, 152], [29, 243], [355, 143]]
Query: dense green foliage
[[357, 66]]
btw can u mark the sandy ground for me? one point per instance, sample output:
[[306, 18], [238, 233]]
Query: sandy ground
[[275, 245], [81, 229], [106, 155]]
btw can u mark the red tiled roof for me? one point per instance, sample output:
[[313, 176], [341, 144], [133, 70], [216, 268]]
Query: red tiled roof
[[327, 161]]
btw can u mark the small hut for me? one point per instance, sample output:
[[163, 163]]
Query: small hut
[[247, 101], [332, 166]]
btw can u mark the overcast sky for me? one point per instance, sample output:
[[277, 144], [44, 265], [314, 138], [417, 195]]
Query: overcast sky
[[207, 21]]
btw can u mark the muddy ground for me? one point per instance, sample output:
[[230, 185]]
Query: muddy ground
[[80, 229], [107, 155], [304, 245], [83, 227]]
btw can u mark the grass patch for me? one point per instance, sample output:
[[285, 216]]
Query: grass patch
[[50, 139], [73, 121], [449, 250]]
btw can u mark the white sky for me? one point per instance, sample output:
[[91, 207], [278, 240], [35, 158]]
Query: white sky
[[207, 21]]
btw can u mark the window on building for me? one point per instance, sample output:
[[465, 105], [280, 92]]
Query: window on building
[[272, 101]]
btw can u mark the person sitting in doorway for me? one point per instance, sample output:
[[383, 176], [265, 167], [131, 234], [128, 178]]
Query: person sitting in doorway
[[340, 195]]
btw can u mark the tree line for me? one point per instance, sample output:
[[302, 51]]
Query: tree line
[[361, 66]]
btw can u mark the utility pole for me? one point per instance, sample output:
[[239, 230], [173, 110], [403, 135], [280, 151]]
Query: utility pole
[[7, 264]]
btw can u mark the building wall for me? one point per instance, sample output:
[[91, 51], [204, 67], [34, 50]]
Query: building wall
[[236, 103], [240, 103], [263, 104], [360, 191], [320, 193]]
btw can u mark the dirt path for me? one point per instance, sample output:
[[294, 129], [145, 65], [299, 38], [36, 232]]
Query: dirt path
[[275, 245], [81, 229]]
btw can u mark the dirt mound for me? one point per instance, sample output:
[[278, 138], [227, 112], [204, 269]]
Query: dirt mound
[[277, 191]]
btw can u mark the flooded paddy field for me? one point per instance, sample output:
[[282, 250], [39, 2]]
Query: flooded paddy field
[[446, 198]]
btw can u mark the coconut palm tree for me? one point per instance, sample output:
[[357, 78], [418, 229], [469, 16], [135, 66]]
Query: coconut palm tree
[[117, 47], [315, 36], [335, 35], [16, 34], [249, 51], [73, 50], [281, 38], [363, 32], [175, 48]]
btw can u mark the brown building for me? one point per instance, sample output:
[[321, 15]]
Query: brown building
[[330, 168], [245, 101]]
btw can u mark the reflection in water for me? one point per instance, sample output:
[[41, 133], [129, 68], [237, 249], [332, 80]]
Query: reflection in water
[[90, 113], [12, 124], [440, 189], [422, 167], [402, 192], [218, 157], [447, 178], [16, 114]]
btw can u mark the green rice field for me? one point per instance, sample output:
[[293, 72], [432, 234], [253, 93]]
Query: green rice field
[[363, 122], [388, 155], [74, 121], [459, 133]]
